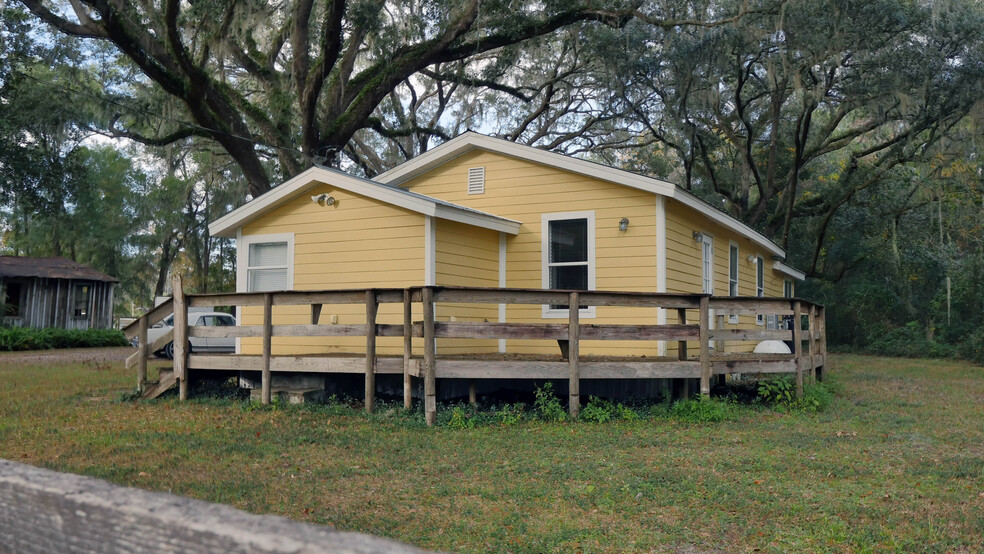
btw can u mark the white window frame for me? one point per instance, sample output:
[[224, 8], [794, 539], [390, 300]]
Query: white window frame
[[733, 266], [545, 219], [759, 284], [787, 288], [242, 257], [706, 264]]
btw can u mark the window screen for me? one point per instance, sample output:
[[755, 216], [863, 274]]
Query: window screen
[[267, 267]]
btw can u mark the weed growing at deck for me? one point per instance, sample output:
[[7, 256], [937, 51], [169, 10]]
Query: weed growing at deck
[[895, 464]]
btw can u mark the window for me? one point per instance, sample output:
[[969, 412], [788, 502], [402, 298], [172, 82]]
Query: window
[[217, 321], [80, 304], [707, 263], [12, 302], [787, 288], [568, 256], [476, 180], [759, 285], [266, 263], [733, 258]]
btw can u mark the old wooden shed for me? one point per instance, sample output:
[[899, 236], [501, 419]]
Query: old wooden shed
[[54, 292]]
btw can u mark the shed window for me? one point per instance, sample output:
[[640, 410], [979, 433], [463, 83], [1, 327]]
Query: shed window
[[568, 256], [12, 301], [83, 292], [267, 268]]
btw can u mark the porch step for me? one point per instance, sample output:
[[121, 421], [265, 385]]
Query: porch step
[[292, 396], [165, 382]]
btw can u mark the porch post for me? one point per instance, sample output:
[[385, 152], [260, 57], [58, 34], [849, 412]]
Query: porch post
[[798, 346], [371, 309], [266, 390], [430, 355], [573, 354], [180, 339], [407, 348], [142, 353], [705, 347]]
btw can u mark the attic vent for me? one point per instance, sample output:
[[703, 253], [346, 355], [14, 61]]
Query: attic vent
[[476, 180]]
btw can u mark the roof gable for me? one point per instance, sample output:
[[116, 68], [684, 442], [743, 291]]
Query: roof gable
[[316, 176], [471, 140]]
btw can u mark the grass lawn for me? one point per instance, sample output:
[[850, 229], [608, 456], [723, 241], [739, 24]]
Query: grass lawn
[[896, 464]]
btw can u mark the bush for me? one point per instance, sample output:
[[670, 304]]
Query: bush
[[781, 393], [19, 338], [973, 347], [600, 410], [702, 410]]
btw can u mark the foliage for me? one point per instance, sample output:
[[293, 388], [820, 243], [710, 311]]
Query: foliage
[[777, 392], [781, 393], [547, 405], [602, 410], [702, 410], [20, 338]]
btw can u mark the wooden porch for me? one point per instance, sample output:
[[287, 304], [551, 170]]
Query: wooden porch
[[691, 331]]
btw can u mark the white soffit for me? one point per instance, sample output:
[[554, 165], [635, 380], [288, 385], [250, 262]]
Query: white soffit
[[789, 270], [314, 177]]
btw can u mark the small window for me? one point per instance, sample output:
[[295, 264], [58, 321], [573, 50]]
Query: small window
[[707, 264], [81, 302], [267, 267], [476, 180], [787, 288], [759, 285], [568, 256], [733, 257], [11, 306], [218, 321]]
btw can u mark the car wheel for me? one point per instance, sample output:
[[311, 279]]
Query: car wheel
[[169, 351]]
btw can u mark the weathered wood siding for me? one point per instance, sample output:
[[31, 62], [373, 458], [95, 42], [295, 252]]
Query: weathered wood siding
[[51, 303], [357, 243]]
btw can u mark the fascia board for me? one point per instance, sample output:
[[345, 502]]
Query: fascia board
[[789, 270], [489, 221], [726, 220]]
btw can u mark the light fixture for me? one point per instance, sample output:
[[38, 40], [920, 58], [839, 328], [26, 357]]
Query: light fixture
[[323, 199], [751, 258], [623, 224], [698, 236]]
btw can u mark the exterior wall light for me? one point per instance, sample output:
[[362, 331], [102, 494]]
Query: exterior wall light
[[623, 224], [698, 236], [323, 200], [751, 258]]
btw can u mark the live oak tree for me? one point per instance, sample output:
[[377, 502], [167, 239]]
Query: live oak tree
[[296, 80]]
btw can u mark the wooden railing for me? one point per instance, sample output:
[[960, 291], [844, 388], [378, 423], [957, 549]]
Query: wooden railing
[[570, 335]]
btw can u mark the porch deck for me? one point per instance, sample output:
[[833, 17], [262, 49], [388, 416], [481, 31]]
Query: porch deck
[[694, 360]]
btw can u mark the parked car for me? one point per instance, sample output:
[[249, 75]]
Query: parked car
[[198, 344]]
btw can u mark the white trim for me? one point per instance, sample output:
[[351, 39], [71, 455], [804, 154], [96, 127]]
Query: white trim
[[240, 287], [792, 288], [471, 140], [788, 270], [706, 264], [502, 285], [545, 219], [661, 265], [430, 252], [242, 256], [314, 177]]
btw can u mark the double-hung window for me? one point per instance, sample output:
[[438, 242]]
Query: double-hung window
[[759, 285], [733, 257], [568, 257], [267, 262], [707, 264]]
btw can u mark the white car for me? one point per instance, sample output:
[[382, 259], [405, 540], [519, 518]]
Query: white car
[[198, 344]]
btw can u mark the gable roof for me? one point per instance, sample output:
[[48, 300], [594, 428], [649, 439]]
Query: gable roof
[[471, 140], [50, 268], [317, 176]]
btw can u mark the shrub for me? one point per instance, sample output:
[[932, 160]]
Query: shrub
[[781, 393], [19, 338], [600, 410], [547, 405], [702, 410], [510, 414]]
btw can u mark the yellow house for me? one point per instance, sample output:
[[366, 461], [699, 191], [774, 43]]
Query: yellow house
[[484, 212]]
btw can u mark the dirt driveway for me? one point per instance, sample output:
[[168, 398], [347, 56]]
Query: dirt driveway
[[115, 354]]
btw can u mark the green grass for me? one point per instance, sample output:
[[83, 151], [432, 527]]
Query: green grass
[[896, 463]]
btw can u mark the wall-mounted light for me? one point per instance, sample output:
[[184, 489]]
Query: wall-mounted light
[[323, 199], [751, 258], [623, 224], [698, 236]]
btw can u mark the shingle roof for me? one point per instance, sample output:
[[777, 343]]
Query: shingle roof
[[50, 268]]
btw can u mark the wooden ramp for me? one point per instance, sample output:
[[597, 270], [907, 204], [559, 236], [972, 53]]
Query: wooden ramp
[[166, 380]]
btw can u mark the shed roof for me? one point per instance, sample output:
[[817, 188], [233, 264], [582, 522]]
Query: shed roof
[[50, 268]]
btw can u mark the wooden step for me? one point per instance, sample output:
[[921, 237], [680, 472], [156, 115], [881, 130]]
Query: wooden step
[[165, 382]]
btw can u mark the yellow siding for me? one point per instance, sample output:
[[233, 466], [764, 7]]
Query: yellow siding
[[523, 191], [358, 243], [466, 256]]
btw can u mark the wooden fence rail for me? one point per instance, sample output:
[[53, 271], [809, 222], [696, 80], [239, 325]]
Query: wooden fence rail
[[711, 333]]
